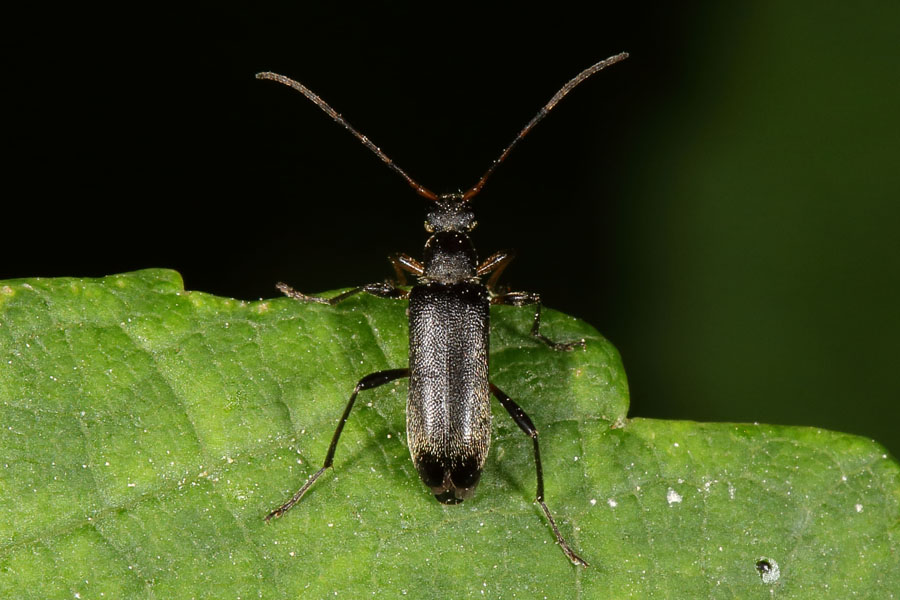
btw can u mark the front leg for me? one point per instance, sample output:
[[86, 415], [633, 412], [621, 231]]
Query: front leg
[[404, 263], [526, 298], [382, 290], [494, 264]]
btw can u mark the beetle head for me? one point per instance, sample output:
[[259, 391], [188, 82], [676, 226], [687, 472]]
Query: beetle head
[[450, 212]]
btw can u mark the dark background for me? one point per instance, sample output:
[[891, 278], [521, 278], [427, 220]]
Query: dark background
[[723, 205]]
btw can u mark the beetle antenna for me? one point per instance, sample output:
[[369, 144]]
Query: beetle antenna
[[421, 190], [572, 84]]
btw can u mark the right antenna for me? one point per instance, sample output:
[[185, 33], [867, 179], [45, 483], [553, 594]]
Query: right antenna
[[572, 84]]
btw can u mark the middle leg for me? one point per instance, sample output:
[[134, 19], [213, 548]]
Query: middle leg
[[528, 298]]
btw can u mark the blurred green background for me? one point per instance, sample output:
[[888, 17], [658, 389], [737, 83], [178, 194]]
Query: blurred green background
[[763, 205], [723, 205]]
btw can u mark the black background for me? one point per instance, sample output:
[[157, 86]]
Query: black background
[[138, 137]]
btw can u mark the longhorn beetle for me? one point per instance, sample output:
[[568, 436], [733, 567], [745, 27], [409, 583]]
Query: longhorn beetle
[[448, 413]]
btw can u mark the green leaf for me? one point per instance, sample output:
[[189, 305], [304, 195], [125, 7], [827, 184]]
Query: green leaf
[[145, 432]]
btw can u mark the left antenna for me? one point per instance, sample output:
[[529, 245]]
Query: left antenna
[[421, 190]]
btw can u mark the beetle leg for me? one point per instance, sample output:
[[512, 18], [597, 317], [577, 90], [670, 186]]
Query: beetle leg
[[404, 262], [494, 264], [525, 424], [372, 380], [526, 298], [382, 290]]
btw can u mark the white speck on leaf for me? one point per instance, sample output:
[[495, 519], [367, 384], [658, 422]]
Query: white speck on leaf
[[769, 570]]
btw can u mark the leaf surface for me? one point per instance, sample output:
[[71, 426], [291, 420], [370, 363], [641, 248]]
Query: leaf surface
[[146, 431]]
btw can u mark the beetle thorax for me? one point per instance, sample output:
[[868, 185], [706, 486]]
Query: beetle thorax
[[450, 257]]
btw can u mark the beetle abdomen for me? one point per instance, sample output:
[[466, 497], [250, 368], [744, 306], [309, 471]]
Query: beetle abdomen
[[448, 413]]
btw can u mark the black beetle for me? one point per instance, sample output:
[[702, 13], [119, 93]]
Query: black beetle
[[448, 413]]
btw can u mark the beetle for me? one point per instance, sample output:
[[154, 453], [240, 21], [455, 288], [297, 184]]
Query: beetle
[[448, 413]]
